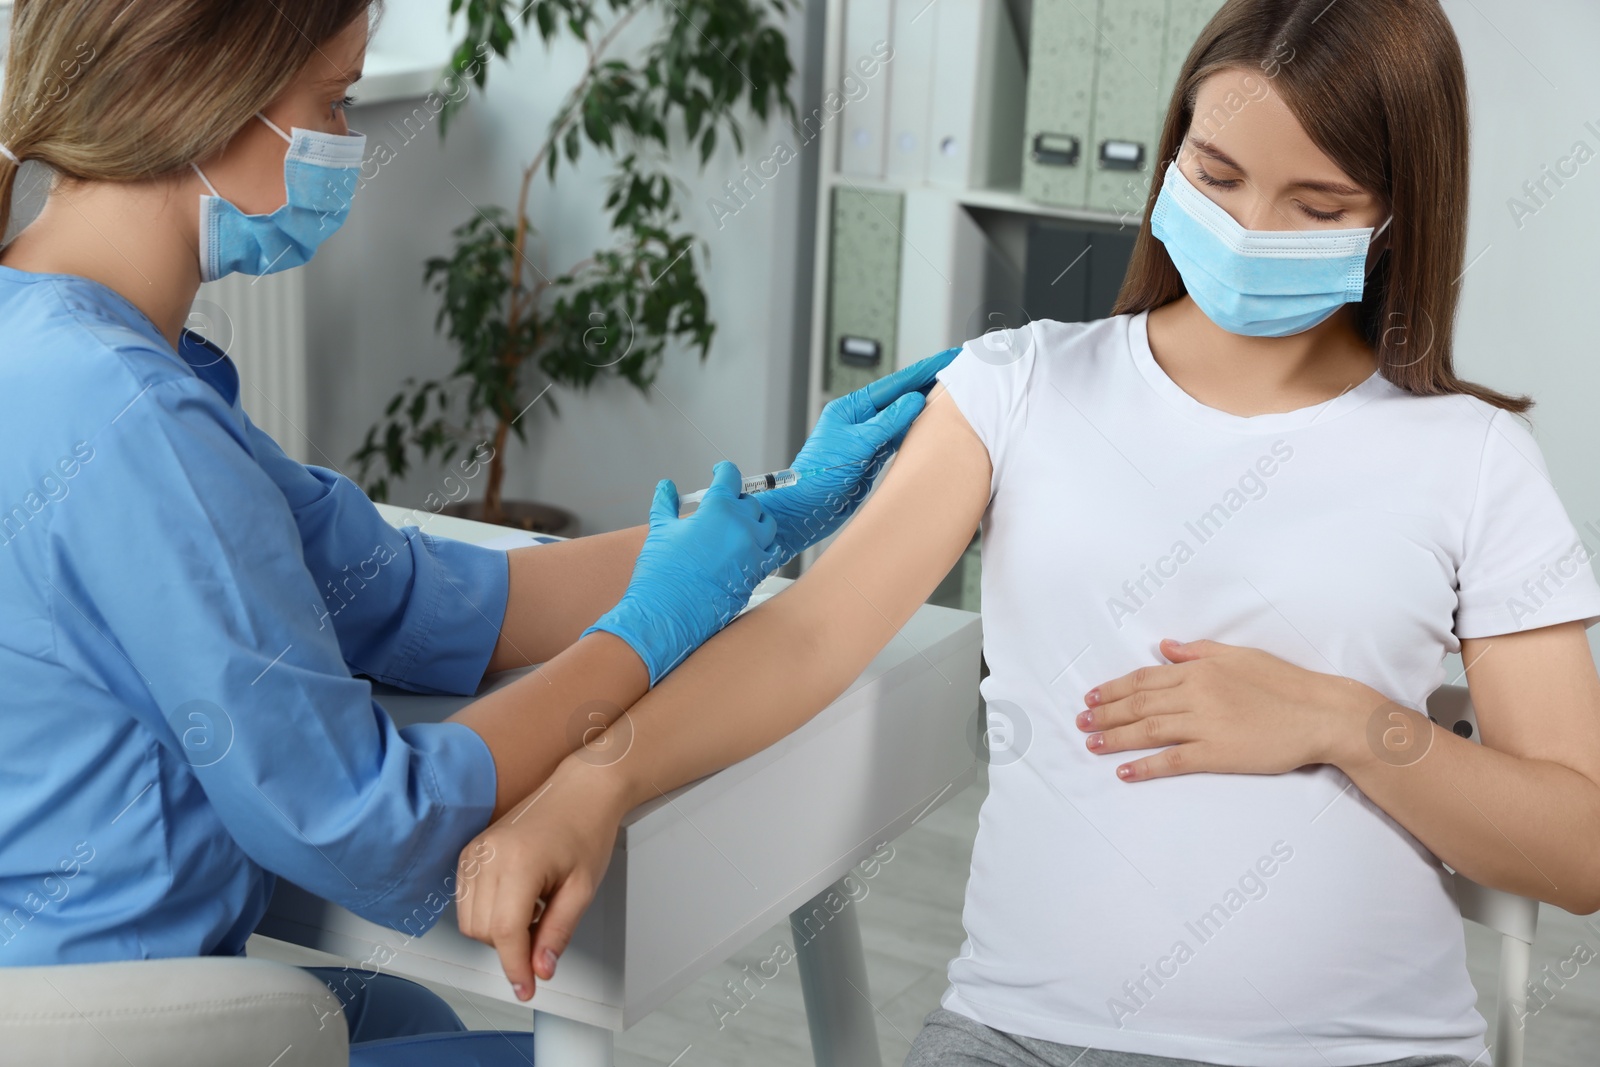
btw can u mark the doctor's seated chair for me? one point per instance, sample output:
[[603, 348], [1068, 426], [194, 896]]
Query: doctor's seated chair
[[210, 1011]]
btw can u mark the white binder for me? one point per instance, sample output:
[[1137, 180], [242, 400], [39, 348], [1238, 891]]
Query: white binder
[[864, 132], [979, 90], [911, 77], [951, 274]]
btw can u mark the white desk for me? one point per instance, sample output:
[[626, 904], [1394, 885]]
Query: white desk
[[700, 873]]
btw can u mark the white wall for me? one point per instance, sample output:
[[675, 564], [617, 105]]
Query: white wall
[[1527, 323], [372, 319]]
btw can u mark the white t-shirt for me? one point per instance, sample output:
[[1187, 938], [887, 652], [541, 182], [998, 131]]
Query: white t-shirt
[[1271, 920]]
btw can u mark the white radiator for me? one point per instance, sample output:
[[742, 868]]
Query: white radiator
[[261, 323]]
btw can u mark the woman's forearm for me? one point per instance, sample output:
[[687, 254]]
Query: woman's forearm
[[757, 681], [1519, 811], [1503, 821], [781, 663], [558, 591], [685, 580], [531, 725]]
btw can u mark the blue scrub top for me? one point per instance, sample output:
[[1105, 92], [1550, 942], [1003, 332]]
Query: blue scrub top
[[181, 610]]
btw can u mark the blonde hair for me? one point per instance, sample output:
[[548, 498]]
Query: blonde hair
[[129, 90]]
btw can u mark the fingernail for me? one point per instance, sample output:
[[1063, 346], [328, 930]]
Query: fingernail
[[1085, 719], [1097, 740], [517, 988], [548, 958], [1124, 772], [1093, 697]]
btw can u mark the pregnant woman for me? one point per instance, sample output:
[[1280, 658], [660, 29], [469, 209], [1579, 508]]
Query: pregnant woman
[[1230, 850]]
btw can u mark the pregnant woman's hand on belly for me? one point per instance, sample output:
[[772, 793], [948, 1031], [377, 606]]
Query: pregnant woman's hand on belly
[[1228, 710]]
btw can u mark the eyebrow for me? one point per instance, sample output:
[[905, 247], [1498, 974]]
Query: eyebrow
[[342, 78], [1332, 188]]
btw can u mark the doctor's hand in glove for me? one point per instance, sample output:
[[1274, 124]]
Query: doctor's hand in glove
[[855, 436], [693, 574]]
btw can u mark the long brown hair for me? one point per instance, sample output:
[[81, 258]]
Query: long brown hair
[[1379, 86], [127, 90]]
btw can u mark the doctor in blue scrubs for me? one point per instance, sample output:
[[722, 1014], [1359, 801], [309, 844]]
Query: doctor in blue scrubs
[[187, 713]]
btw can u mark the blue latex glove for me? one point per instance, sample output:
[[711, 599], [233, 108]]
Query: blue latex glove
[[857, 433], [693, 574]]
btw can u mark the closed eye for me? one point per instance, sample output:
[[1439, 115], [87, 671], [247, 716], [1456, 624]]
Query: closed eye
[[1220, 183], [1322, 216], [1231, 183]]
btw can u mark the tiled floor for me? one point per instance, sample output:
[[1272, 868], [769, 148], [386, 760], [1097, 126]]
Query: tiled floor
[[911, 926]]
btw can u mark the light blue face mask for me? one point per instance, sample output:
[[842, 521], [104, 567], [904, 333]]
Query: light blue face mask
[[1260, 283], [320, 176]]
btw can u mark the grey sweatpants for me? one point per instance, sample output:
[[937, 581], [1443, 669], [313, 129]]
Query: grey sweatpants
[[950, 1039]]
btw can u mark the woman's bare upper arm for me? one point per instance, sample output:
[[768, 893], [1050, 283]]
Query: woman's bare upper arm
[[1537, 695], [911, 531]]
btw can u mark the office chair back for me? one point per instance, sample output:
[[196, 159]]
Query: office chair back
[[1514, 918]]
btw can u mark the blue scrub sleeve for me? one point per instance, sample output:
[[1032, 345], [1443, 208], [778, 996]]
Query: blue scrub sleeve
[[409, 609], [192, 571]]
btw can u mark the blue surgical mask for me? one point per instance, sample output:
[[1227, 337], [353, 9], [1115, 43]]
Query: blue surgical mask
[[1260, 283], [320, 175]]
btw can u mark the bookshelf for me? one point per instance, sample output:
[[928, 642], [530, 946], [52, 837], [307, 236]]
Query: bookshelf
[[996, 210], [1111, 66]]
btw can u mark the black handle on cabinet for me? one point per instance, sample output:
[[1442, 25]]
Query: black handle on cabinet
[[1121, 155], [1056, 149], [860, 351]]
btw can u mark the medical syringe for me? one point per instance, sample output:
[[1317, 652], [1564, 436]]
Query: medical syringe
[[760, 483]]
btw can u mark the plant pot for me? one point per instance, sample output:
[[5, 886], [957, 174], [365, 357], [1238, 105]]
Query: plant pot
[[521, 515]]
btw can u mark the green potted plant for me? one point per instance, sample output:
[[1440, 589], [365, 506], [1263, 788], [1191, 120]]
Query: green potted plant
[[617, 311]]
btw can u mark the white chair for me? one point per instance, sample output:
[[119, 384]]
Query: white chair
[[211, 1011], [1514, 918]]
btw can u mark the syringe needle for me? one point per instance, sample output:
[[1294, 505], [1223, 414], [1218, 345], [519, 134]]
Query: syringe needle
[[761, 483]]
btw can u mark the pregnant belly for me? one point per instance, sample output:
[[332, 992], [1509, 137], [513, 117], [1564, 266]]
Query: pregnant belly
[[1181, 905]]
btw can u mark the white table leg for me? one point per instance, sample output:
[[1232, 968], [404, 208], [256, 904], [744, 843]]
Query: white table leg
[[564, 1043], [833, 978]]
